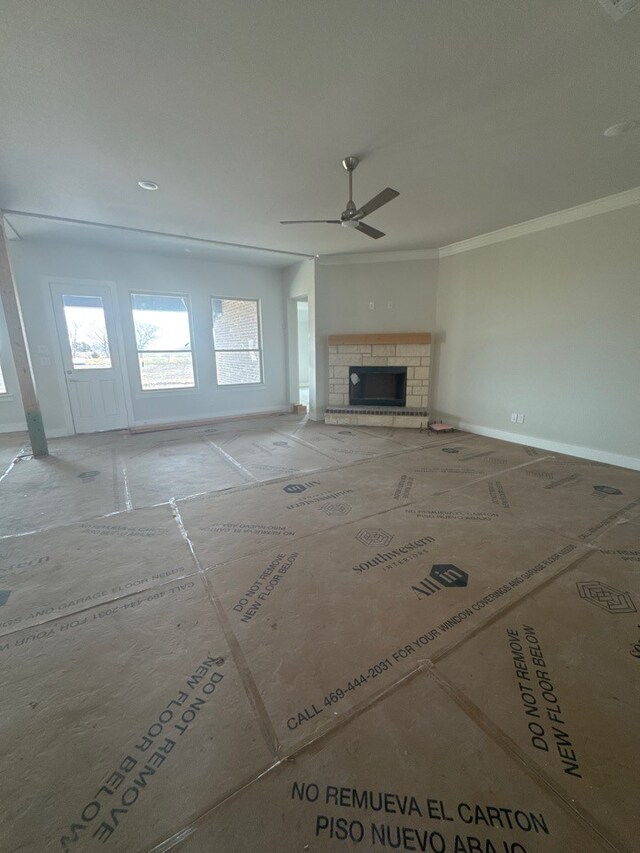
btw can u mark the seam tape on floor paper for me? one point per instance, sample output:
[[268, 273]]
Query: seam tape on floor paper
[[509, 746], [248, 682], [234, 462], [447, 650], [292, 755]]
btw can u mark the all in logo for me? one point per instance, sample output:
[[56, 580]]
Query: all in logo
[[4, 596], [374, 536], [608, 597], [607, 490], [441, 576], [336, 509], [296, 488]]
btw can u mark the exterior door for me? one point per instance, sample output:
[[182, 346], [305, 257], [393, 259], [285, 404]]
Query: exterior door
[[90, 355]]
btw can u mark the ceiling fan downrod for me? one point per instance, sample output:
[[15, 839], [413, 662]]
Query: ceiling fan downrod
[[350, 164]]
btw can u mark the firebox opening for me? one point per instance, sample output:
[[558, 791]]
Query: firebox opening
[[378, 386]]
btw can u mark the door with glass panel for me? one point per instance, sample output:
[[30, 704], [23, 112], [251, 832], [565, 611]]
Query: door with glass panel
[[88, 339]]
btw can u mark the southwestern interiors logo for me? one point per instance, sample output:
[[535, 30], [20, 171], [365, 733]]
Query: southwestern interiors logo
[[336, 508], [441, 576], [376, 537], [608, 597], [395, 557]]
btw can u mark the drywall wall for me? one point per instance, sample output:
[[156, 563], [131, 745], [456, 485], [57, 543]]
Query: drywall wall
[[300, 283], [546, 325], [403, 294], [36, 262]]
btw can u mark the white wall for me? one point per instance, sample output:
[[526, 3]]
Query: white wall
[[34, 262], [344, 292], [547, 325]]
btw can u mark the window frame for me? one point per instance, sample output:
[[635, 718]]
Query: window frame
[[185, 389], [259, 349]]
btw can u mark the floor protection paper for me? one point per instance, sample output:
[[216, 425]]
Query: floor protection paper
[[223, 527], [412, 773], [161, 466], [123, 723], [340, 639], [330, 619], [72, 483], [60, 571], [559, 675], [577, 500]]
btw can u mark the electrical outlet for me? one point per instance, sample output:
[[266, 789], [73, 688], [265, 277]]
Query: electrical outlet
[[520, 419], [514, 418], [372, 306]]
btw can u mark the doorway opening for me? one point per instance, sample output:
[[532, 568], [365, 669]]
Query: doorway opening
[[302, 319]]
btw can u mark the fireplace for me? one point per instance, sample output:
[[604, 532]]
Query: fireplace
[[378, 386], [379, 379]]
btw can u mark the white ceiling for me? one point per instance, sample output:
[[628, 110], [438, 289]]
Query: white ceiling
[[482, 113]]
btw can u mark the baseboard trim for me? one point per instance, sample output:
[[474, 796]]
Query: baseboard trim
[[13, 427], [61, 432], [554, 446], [158, 425]]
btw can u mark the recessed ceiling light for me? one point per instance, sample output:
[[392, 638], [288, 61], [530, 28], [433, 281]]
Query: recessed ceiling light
[[622, 127], [147, 185]]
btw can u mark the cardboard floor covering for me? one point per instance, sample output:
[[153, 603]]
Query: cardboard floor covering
[[399, 643]]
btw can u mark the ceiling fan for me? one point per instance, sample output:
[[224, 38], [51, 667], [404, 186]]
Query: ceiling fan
[[352, 216]]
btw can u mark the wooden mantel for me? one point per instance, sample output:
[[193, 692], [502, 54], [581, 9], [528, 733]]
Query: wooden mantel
[[382, 338]]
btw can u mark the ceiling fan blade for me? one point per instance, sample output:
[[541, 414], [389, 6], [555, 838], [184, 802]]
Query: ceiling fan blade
[[377, 201], [304, 221], [369, 231]]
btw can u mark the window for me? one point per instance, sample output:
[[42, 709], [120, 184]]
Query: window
[[3, 387], [87, 332], [163, 341], [236, 340]]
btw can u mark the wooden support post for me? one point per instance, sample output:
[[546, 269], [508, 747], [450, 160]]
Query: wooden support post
[[18, 342]]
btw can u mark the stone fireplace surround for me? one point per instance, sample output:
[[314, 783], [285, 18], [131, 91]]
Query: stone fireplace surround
[[405, 349]]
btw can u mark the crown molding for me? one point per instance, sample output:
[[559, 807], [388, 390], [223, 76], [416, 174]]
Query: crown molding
[[628, 198], [379, 257]]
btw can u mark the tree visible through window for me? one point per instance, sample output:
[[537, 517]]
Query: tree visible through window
[[86, 332], [163, 341], [237, 342]]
